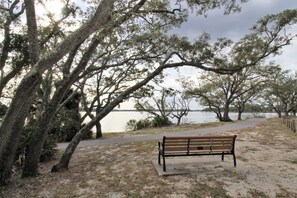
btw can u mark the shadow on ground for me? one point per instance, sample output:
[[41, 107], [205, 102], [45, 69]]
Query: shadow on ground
[[190, 165]]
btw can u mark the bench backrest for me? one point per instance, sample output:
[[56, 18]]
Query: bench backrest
[[198, 144]]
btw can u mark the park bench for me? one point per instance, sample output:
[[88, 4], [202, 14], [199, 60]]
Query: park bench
[[195, 146]]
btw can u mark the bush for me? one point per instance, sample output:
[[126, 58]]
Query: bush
[[144, 123], [131, 125], [49, 147], [156, 121], [159, 121], [49, 150], [140, 124]]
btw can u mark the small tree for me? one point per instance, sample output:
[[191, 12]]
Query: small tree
[[181, 107], [158, 107]]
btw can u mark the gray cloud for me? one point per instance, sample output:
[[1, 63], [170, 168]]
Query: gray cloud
[[235, 25]]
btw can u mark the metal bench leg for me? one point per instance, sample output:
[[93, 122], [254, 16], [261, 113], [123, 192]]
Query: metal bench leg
[[234, 159], [159, 153], [159, 160], [164, 164], [223, 156]]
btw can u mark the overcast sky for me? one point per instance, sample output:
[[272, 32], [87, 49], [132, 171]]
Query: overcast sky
[[236, 25]]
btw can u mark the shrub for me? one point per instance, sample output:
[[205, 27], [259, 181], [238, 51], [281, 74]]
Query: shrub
[[131, 125], [140, 124], [156, 121], [49, 147], [159, 121], [49, 150], [143, 123]]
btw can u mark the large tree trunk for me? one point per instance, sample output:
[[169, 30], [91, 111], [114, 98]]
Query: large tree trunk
[[240, 111], [239, 115], [40, 134], [13, 122], [226, 117]]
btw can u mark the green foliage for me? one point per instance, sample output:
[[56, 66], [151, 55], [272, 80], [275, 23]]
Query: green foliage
[[19, 46], [67, 126], [159, 121], [137, 125], [49, 148], [204, 6], [156, 121], [131, 125], [144, 123], [67, 123]]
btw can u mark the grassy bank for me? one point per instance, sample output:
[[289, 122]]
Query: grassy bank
[[168, 129]]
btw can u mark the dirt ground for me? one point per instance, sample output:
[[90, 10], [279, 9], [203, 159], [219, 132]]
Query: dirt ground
[[266, 167]]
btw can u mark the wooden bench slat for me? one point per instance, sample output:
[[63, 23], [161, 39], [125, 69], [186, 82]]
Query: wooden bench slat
[[200, 137]]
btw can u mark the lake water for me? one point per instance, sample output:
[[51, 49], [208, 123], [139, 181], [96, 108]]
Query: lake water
[[116, 121]]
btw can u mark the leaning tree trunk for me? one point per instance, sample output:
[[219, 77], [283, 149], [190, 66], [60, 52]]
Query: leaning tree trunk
[[65, 159], [219, 116], [13, 122], [35, 148], [278, 111], [40, 134]]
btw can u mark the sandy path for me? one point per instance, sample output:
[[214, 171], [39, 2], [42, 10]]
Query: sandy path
[[140, 138]]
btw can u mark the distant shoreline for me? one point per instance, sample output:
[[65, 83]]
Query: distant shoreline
[[134, 110]]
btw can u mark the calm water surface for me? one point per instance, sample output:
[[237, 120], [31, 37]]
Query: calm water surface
[[116, 121]]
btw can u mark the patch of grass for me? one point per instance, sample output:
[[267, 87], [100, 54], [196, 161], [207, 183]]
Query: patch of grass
[[139, 147], [251, 149], [257, 193], [242, 159], [285, 193], [211, 188], [160, 130], [231, 173], [293, 161]]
